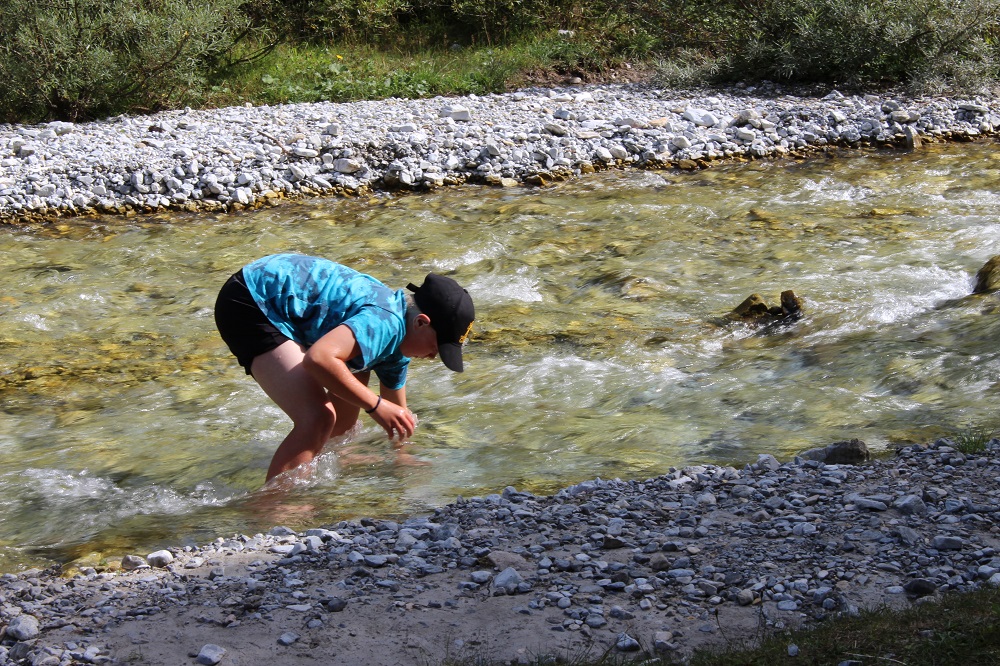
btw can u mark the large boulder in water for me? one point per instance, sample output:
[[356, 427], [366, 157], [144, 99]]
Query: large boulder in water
[[753, 307], [988, 277]]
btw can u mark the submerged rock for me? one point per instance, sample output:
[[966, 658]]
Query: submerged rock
[[988, 277], [755, 310]]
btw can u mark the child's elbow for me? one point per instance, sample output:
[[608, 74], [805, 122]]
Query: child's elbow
[[313, 363]]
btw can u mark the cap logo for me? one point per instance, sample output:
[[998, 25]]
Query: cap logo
[[465, 336]]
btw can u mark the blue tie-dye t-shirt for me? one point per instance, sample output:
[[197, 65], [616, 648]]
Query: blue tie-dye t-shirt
[[307, 297]]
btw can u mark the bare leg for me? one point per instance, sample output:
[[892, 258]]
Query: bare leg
[[316, 414]]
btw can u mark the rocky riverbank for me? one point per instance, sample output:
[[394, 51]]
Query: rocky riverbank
[[239, 157], [700, 555]]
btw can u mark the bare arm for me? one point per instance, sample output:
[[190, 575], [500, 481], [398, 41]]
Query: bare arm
[[327, 361], [397, 396]]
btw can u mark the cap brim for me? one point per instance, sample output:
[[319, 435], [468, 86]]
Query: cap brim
[[451, 355]]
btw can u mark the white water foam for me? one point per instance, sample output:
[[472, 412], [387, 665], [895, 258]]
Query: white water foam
[[64, 491], [494, 289]]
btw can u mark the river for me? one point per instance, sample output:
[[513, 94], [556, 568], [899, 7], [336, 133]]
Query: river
[[598, 351]]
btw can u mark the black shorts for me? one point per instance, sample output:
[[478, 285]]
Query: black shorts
[[242, 324]]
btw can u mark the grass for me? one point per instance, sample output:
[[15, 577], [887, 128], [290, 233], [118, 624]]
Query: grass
[[295, 73], [958, 629], [973, 439]]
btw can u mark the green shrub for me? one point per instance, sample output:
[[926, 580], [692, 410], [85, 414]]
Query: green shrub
[[324, 21], [865, 42], [77, 59], [686, 68]]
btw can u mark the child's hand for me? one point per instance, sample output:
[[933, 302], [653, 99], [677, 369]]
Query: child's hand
[[397, 421]]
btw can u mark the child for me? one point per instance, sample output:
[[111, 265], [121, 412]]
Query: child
[[310, 332]]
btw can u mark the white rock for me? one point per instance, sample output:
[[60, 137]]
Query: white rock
[[347, 165], [456, 112], [555, 128], [701, 117], [160, 558], [603, 154]]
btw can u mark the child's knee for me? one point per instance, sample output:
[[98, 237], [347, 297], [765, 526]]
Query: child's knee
[[322, 421], [343, 426]]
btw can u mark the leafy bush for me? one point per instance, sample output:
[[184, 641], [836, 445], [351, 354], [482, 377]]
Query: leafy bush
[[322, 21], [499, 21], [864, 42], [686, 68], [76, 59]]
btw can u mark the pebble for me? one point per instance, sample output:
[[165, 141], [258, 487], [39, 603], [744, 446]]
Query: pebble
[[239, 157], [679, 555]]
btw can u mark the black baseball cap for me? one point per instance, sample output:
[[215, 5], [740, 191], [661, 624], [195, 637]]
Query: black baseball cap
[[451, 311]]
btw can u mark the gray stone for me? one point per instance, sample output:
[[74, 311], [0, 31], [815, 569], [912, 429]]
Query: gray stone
[[133, 562], [947, 542], [288, 638], [502, 559], [920, 587], [507, 580], [768, 462], [626, 643], [335, 604], [848, 452], [210, 654], [910, 505], [23, 627], [480, 577]]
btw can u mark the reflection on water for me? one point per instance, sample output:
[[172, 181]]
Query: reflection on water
[[125, 425]]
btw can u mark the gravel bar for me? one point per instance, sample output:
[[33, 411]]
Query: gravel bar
[[698, 556], [245, 157]]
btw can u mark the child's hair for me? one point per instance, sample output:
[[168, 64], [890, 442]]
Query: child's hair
[[412, 309]]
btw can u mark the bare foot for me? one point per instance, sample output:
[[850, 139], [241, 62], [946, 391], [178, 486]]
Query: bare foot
[[271, 502]]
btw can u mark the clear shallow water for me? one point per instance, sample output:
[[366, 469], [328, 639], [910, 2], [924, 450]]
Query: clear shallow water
[[125, 425]]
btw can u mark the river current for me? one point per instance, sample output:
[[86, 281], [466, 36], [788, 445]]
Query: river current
[[125, 425]]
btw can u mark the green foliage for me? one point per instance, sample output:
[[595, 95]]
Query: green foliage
[[686, 68], [323, 21], [347, 73], [870, 42], [956, 629], [76, 59], [495, 21], [73, 59]]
